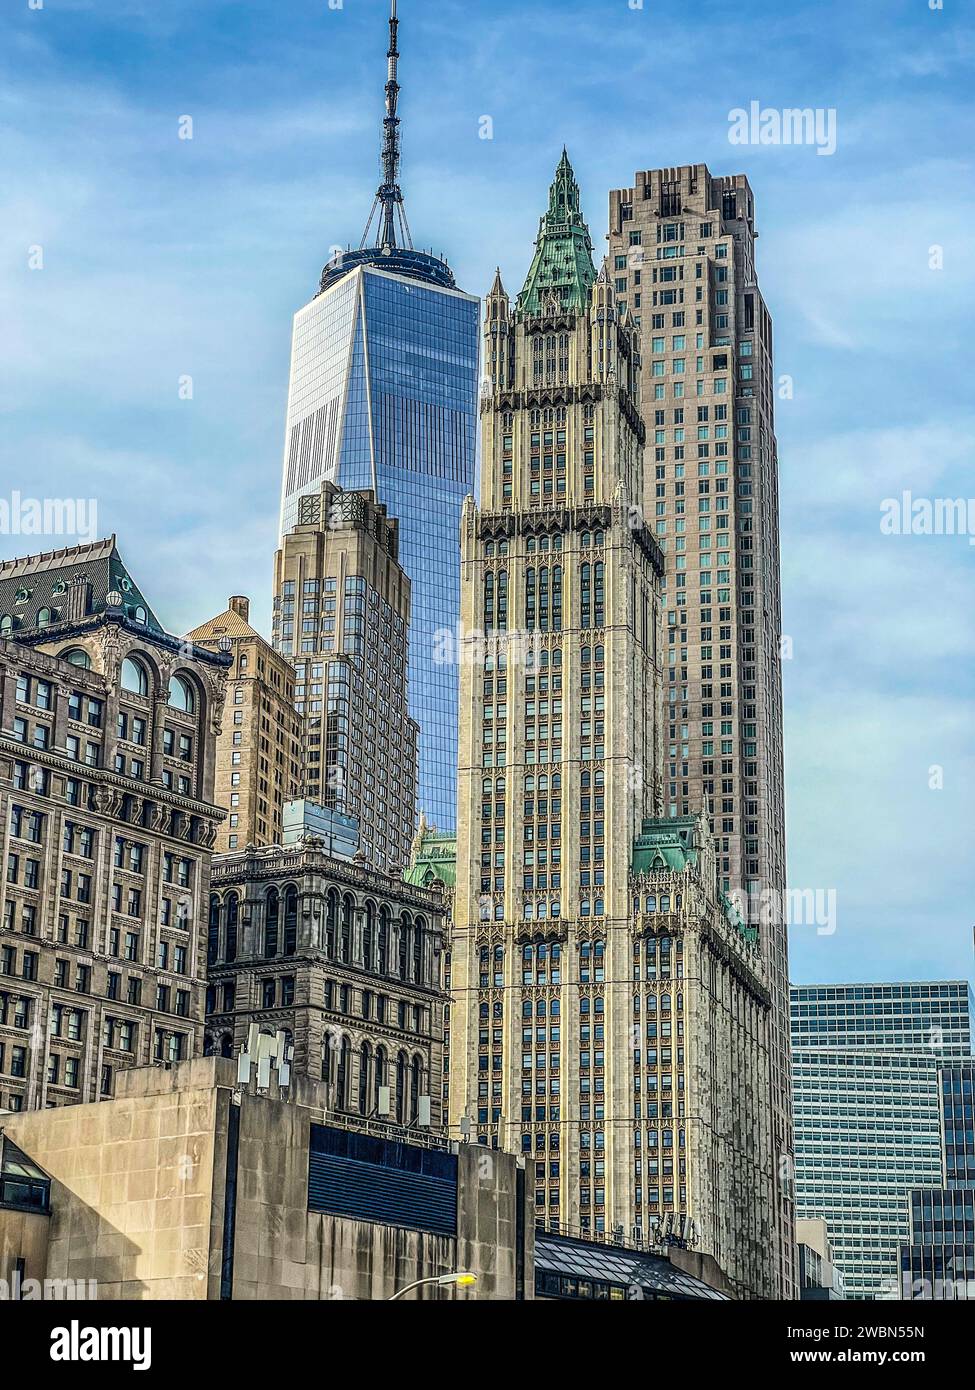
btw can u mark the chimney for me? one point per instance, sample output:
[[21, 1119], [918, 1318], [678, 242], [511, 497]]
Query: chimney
[[78, 601], [240, 605]]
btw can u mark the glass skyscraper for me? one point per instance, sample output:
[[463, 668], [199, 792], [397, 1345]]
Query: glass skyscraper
[[865, 1062], [938, 1260], [384, 395]]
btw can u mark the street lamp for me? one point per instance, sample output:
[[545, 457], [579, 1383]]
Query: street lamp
[[462, 1278]]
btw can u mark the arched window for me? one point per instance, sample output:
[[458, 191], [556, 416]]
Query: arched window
[[416, 1076], [344, 1078], [365, 1087], [44, 617], [369, 937], [331, 922], [345, 936], [134, 677], [233, 906], [290, 921], [272, 914], [381, 1077], [181, 695], [402, 1080], [213, 930], [382, 961], [502, 618], [327, 1058], [227, 1045], [404, 944], [6, 625], [418, 950], [77, 657], [489, 611], [140, 615]]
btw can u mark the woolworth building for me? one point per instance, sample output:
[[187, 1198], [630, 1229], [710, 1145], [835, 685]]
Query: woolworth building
[[609, 1014]]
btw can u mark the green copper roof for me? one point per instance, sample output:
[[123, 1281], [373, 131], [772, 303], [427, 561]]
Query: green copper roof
[[563, 264], [665, 844], [434, 858], [669, 844]]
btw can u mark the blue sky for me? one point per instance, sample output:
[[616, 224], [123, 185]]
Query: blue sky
[[165, 257]]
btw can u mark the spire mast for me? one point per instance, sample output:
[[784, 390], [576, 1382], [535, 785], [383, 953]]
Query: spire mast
[[393, 227]]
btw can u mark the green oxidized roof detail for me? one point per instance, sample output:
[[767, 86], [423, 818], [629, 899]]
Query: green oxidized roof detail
[[562, 266], [671, 845], [434, 858], [665, 844]]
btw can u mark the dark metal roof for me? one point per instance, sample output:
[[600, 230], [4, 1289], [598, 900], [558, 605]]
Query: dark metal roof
[[397, 260], [34, 583], [643, 1274]]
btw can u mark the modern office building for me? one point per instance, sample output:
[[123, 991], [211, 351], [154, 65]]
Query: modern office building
[[108, 732], [609, 1014], [865, 1065], [259, 749], [342, 606], [342, 960], [682, 256], [938, 1259], [383, 397]]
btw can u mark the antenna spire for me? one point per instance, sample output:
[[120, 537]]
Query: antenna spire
[[393, 227]]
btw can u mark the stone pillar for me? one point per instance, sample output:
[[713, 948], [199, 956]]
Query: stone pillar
[[160, 703], [62, 695], [8, 696]]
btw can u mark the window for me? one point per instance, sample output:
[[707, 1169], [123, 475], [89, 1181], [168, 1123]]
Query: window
[[77, 656], [134, 678], [181, 695]]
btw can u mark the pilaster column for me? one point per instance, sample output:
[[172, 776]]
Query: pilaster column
[[159, 705]]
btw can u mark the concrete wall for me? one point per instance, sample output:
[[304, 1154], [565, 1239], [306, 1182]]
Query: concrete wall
[[23, 1236], [132, 1184], [139, 1200]]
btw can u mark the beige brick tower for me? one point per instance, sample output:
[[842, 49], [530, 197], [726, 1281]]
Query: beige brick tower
[[259, 749], [682, 249]]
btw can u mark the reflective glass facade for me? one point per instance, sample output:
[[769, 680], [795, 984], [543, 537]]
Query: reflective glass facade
[[938, 1261], [383, 395], [865, 1062]]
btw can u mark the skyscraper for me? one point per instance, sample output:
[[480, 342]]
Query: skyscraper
[[938, 1259], [682, 248], [383, 396], [865, 1065], [609, 1014], [342, 601], [259, 749]]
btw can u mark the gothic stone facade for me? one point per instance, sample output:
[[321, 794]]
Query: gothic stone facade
[[343, 959], [555, 1048]]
